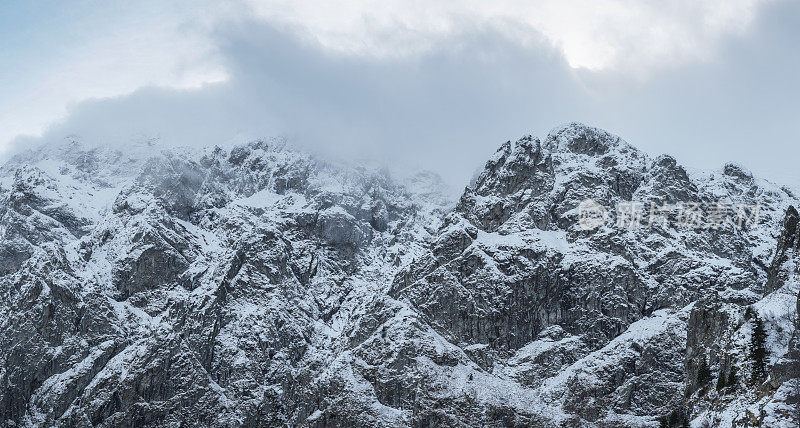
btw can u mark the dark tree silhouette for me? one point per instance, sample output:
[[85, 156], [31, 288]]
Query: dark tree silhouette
[[758, 349], [703, 373], [733, 379], [722, 380]]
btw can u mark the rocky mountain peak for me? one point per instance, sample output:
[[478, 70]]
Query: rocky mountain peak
[[580, 139], [737, 171]]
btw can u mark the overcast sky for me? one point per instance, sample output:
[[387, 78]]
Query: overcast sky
[[430, 83]]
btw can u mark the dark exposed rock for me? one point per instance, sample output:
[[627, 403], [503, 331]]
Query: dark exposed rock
[[708, 332], [788, 245], [784, 268]]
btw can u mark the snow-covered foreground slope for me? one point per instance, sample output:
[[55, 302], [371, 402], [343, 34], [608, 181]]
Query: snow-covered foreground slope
[[264, 286]]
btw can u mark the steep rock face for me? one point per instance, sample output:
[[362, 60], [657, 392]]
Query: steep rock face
[[711, 325], [784, 375], [781, 269], [511, 260], [34, 210], [784, 269], [720, 334], [49, 322], [262, 286]]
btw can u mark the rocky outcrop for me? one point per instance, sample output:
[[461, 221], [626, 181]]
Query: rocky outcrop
[[710, 327], [720, 361], [785, 268], [787, 249]]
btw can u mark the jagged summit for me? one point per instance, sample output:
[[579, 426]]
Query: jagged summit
[[581, 139], [262, 285]]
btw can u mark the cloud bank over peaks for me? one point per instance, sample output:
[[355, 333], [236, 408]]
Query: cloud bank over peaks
[[619, 35]]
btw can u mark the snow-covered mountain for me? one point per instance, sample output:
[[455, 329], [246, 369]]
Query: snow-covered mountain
[[265, 286]]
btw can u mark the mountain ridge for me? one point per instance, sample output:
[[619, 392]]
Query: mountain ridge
[[264, 286]]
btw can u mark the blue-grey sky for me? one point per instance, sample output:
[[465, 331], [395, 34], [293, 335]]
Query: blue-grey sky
[[438, 84]]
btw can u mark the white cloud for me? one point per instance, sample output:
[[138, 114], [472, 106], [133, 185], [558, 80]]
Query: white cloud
[[118, 48], [595, 34], [101, 57]]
